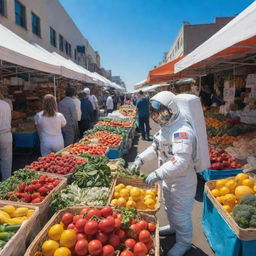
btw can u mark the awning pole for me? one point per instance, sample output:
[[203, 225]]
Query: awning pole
[[54, 86]]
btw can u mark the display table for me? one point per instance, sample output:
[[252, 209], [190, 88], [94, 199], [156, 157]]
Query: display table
[[220, 236], [25, 140]]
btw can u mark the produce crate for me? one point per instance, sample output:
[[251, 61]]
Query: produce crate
[[140, 183], [35, 246], [219, 174], [44, 208], [248, 234], [115, 152], [25, 140], [16, 246]]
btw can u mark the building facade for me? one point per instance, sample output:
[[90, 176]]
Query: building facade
[[191, 36], [118, 80], [46, 23]]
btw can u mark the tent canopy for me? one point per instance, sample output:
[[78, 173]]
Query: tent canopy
[[236, 40], [150, 88]]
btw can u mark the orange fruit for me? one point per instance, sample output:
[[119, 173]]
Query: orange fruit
[[242, 191], [224, 190]]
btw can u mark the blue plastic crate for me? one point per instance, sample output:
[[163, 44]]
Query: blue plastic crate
[[25, 140], [113, 154], [219, 174]]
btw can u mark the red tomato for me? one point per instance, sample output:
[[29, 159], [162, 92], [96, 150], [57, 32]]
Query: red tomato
[[67, 218], [81, 236], [76, 218], [95, 247], [114, 240], [117, 223], [93, 212], [142, 224], [129, 243], [151, 227], [91, 227], [106, 211], [81, 247], [102, 237], [121, 234], [140, 249], [134, 230], [149, 244], [126, 253], [71, 226], [107, 225], [80, 223], [84, 211], [108, 250], [144, 236]]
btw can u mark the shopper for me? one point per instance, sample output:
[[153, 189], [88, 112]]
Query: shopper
[[94, 103], [87, 113], [79, 114], [142, 106], [174, 147], [49, 123], [110, 104], [67, 107], [5, 139]]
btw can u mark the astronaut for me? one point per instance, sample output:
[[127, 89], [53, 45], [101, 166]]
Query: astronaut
[[174, 147]]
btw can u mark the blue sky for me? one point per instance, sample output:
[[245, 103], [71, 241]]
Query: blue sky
[[132, 35]]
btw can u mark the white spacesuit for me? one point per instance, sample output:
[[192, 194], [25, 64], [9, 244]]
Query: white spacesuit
[[174, 147]]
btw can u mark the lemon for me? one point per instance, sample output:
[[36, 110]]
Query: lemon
[[150, 203], [231, 185], [248, 182], [116, 194], [218, 198], [114, 202], [129, 187], [119, 187], [227, 208], [229, 199], [9, 209], [135, 192], [121, 201], [240, 177], [124, 193], [151, 192], [68, 238], [140, 205], [224, 191], [130, 204], [220, 183], [62, 251], [49, 247], [55, 232], [215, 192]]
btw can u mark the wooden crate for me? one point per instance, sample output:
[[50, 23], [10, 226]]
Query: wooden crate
[[35, 246], [16, 246], [247, 234], [140, 183], [44, 208]]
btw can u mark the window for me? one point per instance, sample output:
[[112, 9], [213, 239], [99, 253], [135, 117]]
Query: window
[[2, 7], [35, 20], [61, 43], [20, 14], [68, 48], [75, 54], [53, 37]]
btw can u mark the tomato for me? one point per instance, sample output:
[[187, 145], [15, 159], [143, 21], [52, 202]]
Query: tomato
[[72, 226], [81, 247], [144, 236], [93, 212], [121, 234], [142, 224], [134, 221], [126, 253], [76, 218], [102, 237], [140, 249], [91, 227], [106, 211], [114, 240], [108, 250], [80, 224], [107, 225], [84, 211], [81, 236], [95, 247], [119, 216], [134, 230], [151, 227], [129, 243], [149, 244], [117, 223]]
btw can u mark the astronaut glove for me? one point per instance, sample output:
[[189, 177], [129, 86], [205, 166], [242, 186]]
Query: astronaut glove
[[135, 167], [152, 178]]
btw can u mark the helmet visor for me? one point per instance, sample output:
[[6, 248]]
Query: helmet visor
[[159, 113]]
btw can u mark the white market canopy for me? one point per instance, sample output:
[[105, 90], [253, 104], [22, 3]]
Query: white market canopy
[[234, 40], [150, 88]]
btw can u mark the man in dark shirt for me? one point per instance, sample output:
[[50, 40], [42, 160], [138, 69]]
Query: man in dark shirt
[[142, 105]]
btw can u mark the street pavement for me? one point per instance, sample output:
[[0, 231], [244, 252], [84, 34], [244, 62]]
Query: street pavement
[[200, 244]]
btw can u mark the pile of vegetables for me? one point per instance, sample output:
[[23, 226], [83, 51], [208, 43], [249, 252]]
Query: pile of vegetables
[[245, 212], [54, 163], [128, 111], [228, 192], [110, 129], [220, 160], [103, 139], [32, 189], [11, 219], [224, 140], [102, 232], [73, 195], [80, 148], [115, 123]]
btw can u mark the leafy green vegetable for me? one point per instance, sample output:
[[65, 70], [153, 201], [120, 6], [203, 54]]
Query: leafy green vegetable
[[127, 216]]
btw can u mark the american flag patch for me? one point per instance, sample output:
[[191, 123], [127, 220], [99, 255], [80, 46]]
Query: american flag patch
[[173, 160], [180, 136]]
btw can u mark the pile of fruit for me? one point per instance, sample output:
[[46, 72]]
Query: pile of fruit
[[101, 138], [110, 129], [115, 123], [214, 122], [220, 160], [53, 163], [80, 149], [27, 186], [223, 140], [100, 232], [134, 197], [11, 219], [228, 192], [127, 111]]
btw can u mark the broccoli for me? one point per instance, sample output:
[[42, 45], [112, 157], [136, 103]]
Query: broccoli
[[245, 212]]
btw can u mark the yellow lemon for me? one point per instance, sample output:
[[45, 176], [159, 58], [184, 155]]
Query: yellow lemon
[[224, 191], [116, 194], [151, 192], [149, 203], [121, 185], [124, 193], [62, 251], [248, 182], [218, 198], [241, 191], [135, 192], [229, 199], [227, 208], [231, 185], [240, 177], [130, 204], [220, 183], [140, 205], [49, 247], [121, 201], [55, 232], [215, 192], [114, 202], [129, 187]]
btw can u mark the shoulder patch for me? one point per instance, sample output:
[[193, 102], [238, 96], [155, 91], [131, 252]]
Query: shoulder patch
[[180, 136]]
